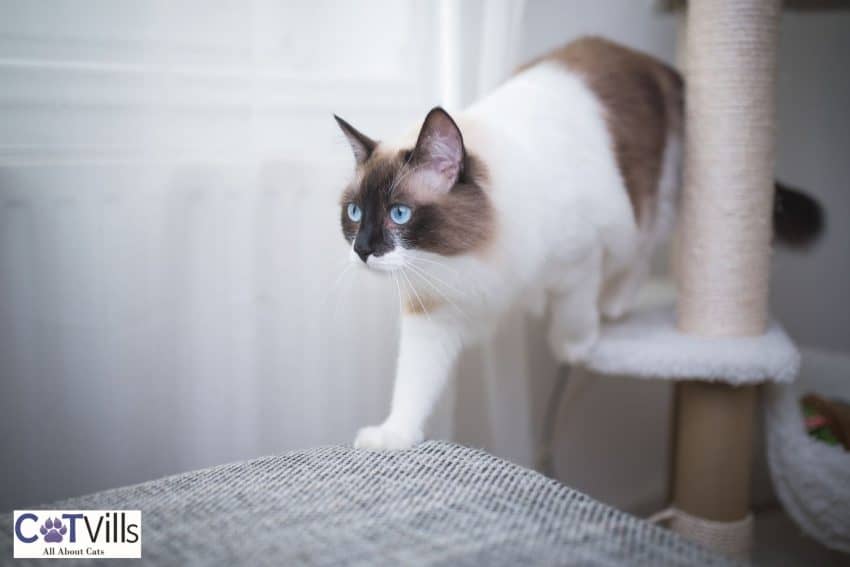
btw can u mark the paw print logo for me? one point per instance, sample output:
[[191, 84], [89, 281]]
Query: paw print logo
[[53, 530]]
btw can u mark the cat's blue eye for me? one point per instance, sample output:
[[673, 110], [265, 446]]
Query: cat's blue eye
[[354, 212], [400, 214]]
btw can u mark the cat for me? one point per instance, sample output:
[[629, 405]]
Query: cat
[[555, 189]]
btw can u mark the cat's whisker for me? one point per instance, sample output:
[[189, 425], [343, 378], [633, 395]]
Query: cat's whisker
[[335, 293], [412, 263], [339, 276], [405, 173], [416, 293], [455, 277], [435, 262], [396, 181], [345, 267], [431, 278], [426, 279], [397, 288]]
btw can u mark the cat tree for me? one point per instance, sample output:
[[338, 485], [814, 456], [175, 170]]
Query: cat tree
[[719, 343], [723, 263]]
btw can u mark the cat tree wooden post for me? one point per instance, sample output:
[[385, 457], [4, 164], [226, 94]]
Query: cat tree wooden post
[[723, 257]]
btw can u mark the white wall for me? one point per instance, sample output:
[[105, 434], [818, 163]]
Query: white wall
[[813, 152]]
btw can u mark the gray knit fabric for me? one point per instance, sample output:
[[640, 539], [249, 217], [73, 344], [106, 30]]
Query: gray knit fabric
[[437, 504]]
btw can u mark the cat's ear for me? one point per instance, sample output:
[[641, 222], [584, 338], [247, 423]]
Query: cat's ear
[[439, 152], [361, 144]]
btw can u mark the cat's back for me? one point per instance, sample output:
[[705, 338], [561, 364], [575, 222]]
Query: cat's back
[[630, 84], [642, 102], [589, 98], [588, 135], [614, 71]]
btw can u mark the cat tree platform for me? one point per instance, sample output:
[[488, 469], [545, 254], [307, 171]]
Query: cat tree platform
[[648, 344]]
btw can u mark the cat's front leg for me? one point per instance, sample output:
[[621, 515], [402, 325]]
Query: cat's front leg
[[427, 353]]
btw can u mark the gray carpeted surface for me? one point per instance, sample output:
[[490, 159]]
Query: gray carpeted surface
[[436, 504]]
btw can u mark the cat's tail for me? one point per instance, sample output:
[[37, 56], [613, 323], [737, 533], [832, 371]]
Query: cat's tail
[[798, 219]]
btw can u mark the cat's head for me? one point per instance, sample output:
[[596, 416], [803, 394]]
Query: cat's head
[[409, 201]]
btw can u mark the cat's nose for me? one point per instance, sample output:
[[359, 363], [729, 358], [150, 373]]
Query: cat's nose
[[362, 248]]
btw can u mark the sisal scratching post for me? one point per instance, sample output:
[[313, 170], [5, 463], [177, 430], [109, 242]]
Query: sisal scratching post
[[723, 256]]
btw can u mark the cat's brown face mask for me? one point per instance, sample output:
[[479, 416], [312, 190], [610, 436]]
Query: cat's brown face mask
[[428, 198]]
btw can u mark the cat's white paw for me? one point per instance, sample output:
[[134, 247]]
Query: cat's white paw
[[574, 351], [579, 351], [385, 438], [615, 309]]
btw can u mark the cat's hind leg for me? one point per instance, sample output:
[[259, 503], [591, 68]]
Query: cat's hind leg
[[621, 291], [620, 294], [574, 324]]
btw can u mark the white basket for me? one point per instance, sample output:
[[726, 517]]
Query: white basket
[[812, 479]]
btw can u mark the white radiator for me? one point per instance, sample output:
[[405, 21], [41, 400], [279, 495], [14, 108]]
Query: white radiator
[[159, 318]]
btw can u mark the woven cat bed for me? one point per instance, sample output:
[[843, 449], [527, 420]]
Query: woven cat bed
[[812, 479], [437, 504]]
